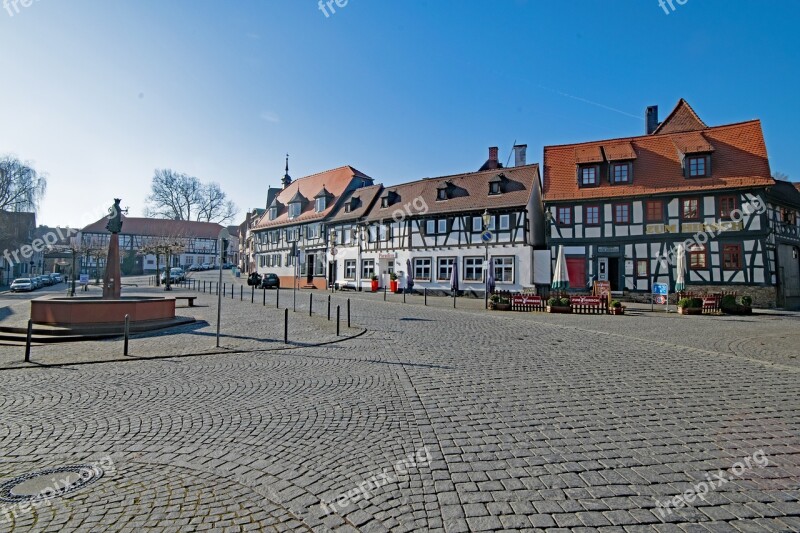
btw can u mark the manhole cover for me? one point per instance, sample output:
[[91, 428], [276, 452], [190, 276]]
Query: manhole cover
[[49, 483]]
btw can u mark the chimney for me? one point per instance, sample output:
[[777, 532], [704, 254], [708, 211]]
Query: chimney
[[520, 155], [651, 119], [493, 154]]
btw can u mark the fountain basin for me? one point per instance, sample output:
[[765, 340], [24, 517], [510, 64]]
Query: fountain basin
[[91, 312]]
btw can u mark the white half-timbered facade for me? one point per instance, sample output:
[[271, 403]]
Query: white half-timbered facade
[[783, 217], [621, 207]]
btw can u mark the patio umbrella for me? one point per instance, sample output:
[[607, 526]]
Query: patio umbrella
[[680, 259], [409, 276], [561, 276], [454, 278], [490, 279]]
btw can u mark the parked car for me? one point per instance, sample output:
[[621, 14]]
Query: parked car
[[206, 266], [56, 277], [46, 280], [36, 282], [22, 285], [195, 268], [270, 281], [175, 275], [254, 279]]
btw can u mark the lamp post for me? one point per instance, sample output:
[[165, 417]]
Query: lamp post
[[223, 235], [486, 218], [334, 236]]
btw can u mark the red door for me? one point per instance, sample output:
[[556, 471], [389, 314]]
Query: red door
[[576, 268]]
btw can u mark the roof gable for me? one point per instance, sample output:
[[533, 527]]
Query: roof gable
[[683, 118]]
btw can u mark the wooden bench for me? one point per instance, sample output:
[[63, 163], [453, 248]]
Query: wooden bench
[[189, 299]]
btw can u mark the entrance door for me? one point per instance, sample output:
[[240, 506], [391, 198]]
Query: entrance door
[[602, 269], [789, 271], [613, 273], [310, 264], [331, 273]]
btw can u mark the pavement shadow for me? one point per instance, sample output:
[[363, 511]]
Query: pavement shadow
[[5, 312]]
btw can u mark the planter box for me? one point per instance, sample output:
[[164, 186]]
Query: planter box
[[500, 307], [616, 310], [690, 310], [559, 309], [393, 286], [374, 285]]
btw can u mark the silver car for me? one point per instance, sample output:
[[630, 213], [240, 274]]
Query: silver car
[[22, 285]]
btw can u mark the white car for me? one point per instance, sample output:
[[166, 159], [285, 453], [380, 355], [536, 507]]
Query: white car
[[22, 285]]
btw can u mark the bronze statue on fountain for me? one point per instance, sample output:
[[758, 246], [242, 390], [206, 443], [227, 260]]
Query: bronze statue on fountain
[[112, 280]]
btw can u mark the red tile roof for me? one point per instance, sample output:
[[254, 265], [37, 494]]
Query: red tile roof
[[692, 143], [739, 160], [335, 181], [619, 152], [683, 118], [365, 196], [155, 227]]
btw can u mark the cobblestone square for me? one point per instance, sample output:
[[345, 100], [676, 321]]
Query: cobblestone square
[[416, 419]]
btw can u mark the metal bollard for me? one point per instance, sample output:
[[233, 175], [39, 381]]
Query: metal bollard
[[127, 334], [232, 291], [278, 298], [286, 326], [28, 342], [338, 319], [426, 295], [252, 293], [264, 296], [404, 296], [310, 303], [348, 312], [384, 293], [329, 308], [455, 297]]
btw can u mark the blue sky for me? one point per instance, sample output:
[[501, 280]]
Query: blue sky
[[99, 94]]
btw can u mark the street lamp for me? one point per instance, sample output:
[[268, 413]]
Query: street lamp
[[486, 218]]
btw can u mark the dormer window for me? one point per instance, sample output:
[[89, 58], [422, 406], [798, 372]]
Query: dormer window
[[273, 213], [587, 176], [698, 166], [496, 184], [384, 202], [441, 194], [319, 204], [494, 188], [620, 173], [348, 207], [294, 210], [388, 199]]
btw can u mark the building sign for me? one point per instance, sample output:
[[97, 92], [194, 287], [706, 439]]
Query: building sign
[[608, 249], [585, 300], [387, 256], [84, 279], [660, 288], [526, 299]]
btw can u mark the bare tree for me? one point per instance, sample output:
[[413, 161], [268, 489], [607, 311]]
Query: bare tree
[[168, 247], [780, 176], [179, 196], [21, 186]]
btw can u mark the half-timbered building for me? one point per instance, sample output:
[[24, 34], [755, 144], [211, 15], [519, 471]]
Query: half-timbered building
[[290, 238], [620, 207], [783, 216]]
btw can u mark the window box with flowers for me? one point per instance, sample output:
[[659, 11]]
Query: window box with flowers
[[499, 302], [559, 305], [616, 308]]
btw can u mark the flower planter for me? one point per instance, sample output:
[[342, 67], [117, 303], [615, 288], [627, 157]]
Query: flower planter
[[616, 310], [393, 286], [559, 309], [500, 307], [375, 285], [690, 310]]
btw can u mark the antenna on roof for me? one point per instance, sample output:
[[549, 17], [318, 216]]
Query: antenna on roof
[[511, 152]]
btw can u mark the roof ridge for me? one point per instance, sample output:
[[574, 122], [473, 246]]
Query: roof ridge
[[464, 175], [661, 136]]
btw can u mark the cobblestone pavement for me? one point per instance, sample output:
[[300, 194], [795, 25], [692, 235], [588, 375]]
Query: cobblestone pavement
[[532, 422]]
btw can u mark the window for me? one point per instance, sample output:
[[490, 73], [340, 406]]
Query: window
[[732, 257], [319, 204], [564, 216], [477, 224], [503, 269], [620, 173], [473, 268], [273, 213], [494, 187], [654, 210], [697, 166], [385, 232], [592, 215], [698, 257], [727, 204], [441, 194], [789, 216], [690, 209], [430, 227], [293, 235], [372, 234], [588, 176], [441, 226], [367, 268], [505, 222], [622, 214], [312, 231], [294, 210], [384, 202], [445, 268], [642, 268], [348, 207], [422, 269]]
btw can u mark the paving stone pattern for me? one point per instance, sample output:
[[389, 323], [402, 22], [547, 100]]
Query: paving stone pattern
[[533, 423]]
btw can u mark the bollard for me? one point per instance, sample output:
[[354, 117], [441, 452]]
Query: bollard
[[384, 293], [231, 291], [264, 297], [286, 326], [348, 312], [338, 319], [204, 286], [455, 296], [224, 289], [426, 295], [329, 308], [404, 296], [28, 342], [310, 303], [127, 334], [252, 293], [278, 298]]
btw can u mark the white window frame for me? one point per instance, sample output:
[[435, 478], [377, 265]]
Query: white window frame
[[505, 222], [319, 204], [446, 263], [424, 263], [350, 269], [473, 264], [501, 265], [294, 210], [367, 268]]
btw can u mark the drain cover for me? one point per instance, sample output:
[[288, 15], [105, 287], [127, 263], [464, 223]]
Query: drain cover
[[49, 483]]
